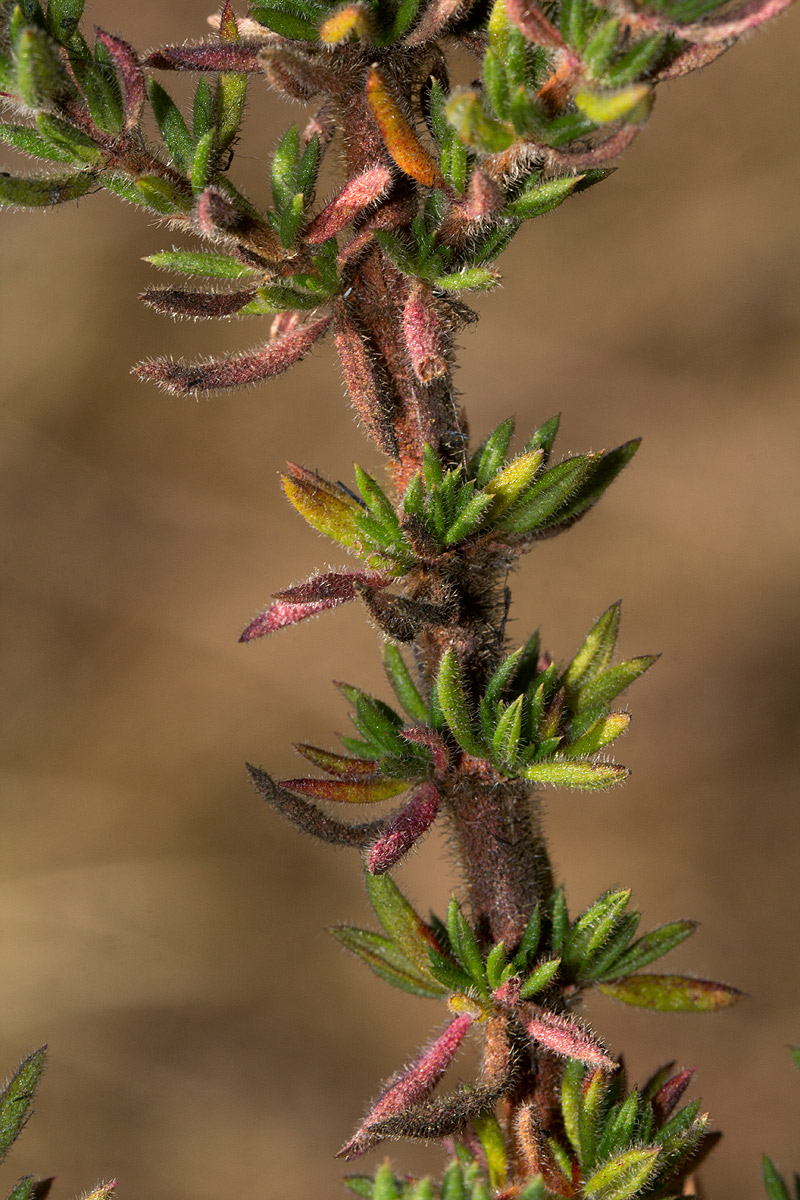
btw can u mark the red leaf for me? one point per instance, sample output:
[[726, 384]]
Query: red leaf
[[130, 75], [342, 791], [404, 830], [182, 302], [308, 819], [564, 1036], [357, 195], [339, 586], [308, 599], [238, 370], [430, 739], [425, 336], [668, 1096], [240, 57], [531, 21], [411, 1086]]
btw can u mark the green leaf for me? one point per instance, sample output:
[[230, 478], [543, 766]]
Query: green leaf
[[468, 279], [545, 436], [40, 77], [496, 962], [161, 195], [386, 1186], [465, 945], [286, 23], [63, 17], [600, 733], [472, 517], [505, 743], [610, 682], [619, 1126], [203, 109], [636, 61], [466, 114], [174, 132], [203, 161], [573, 20], [540, 978], [495, 84], [448, 973], [529, 942], [585, 776], [601, 46], [17, 1097], [559, 920], [404, 687], [602, 472], [453, 701], [547, 496], [623, 1176], [543, 197], [28, 191], [650, 947], [513, 481], [774, 1185], [593, 928], [671, 993], [491, 1138], [99, 84], [491, 455], [596, 651], [201, 262], [285, 164], [30, 141], [404, 926], [382, 956], [24, 1190]]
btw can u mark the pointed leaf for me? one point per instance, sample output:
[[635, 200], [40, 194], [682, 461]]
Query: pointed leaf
[[327, 508], [17, 1097], [404, 687], [453, 701], [548, 495], [609, 683], [382, 957], [539, 978], [411, 1086], [404, 830], [564, 1036], [343, 791], [672, 993], [402, 143], [596, 651], [351, 769], [465, 945], [623, 1176], [403, 925], [650, 947], [774, 1185], [600, 733], [237, 370]]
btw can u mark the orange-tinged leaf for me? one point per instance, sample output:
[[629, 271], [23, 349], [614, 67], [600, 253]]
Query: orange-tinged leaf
[[405, 148], [672, 993], [342, 791], [351, 769], [327, 508], [351, 21]]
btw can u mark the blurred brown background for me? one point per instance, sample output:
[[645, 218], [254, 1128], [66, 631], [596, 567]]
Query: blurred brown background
[[159, 927]]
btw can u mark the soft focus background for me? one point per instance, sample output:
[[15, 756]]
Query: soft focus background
[[158, 926]]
